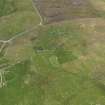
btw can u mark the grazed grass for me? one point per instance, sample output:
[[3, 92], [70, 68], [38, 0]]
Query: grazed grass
[[55, 64], [24, 18], [72, 78], [7, 7]]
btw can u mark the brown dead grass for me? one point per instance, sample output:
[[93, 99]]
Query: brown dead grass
[[58, 10]]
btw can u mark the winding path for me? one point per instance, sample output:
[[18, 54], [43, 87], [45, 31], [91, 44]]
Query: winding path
[[24, 32], [4, 42]]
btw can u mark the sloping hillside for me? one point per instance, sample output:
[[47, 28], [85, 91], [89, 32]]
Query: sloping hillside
[[61, 63]]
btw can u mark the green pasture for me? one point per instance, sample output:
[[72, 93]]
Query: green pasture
[[55, 64]]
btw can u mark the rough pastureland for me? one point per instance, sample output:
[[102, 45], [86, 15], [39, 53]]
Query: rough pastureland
[[57, 10]]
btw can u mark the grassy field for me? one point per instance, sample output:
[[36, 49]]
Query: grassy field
[[23, 18], [54, 64], [7, 7]]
